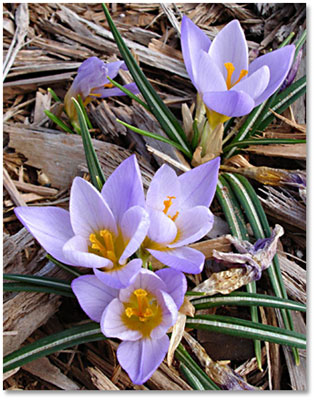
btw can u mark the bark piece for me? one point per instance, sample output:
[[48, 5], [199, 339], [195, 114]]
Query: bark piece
[[296, 151], [61, 157], [45, 370], [24, 314], [100, 380]]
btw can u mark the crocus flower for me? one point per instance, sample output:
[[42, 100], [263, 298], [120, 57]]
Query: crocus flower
[[101, 230], [220, 72], [139, 315], [179, 213], [91, 82]]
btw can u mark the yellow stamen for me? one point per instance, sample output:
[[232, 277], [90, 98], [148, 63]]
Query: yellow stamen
[[102, 243], [140, 293], [230, 69], [168, 203], [129, 312], [142, 312], [174, 217], [108, 85], [95, 94], [96, 244]]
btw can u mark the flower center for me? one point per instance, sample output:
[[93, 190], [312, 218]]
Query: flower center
[[142, 312], [167, 204], [102, 244], [230, 69]]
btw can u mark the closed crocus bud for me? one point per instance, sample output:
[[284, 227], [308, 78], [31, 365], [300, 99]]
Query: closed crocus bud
[[91, 82]]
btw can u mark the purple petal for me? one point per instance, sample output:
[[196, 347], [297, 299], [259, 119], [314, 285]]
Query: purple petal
[[205, 69], [164, 184], [89, 213], [230, 103], [49, 225], [176, 284], [199, 184], [255, 84], [141, 358], [116, 91], [120, 277], [124, 188], [93, 295], [185, 259], [193, 40], [293, 71], [162, 229], [76, 252], [279, 62], [91, 74], [114, 67], [145, 279], [134, 226], [192, 225], [169, 314], [112, 324], [230, 46]]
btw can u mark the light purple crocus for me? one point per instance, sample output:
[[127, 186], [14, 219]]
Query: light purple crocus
[[219, 70], [91, 82], [179, 213], [139, 315], [101, 230]]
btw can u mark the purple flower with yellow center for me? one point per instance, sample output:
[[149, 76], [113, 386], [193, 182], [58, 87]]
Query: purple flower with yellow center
[[101, 230], [139, 315], [219, 70], [91, 82], [178, 207]]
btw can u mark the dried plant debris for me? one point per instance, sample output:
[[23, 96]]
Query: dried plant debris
[[243, 267], [222, 374]]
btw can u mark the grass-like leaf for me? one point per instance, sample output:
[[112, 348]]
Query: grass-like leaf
[[195, 139], [69, 269], [58, 122], [247, 329], [84, 334], [183, 356], [246, 128], [54, 96], [22, 287], [247, 299], [96, 174], [129, 93], [238, 228], [56, 342], [164, 116], [83, 108], [152, 135], [283, 100], [264, 141], [191, 379], [261, 229], [37, 280]]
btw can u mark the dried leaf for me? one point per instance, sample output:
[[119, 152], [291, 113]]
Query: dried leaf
[[244, 267], [223, 375], [176, 337]]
